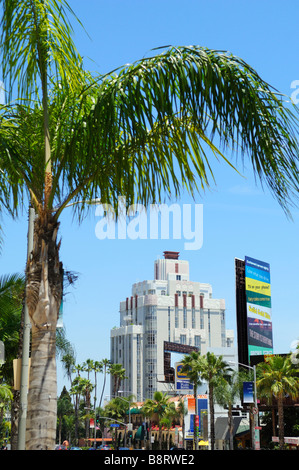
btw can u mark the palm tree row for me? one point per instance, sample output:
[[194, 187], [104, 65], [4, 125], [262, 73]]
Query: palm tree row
[[146, 131], [81, 386]]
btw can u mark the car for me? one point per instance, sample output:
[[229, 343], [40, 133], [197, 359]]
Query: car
[[104, 447], [75, 448], [60, 447]]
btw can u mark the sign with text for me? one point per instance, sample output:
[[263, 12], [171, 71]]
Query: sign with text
[[258, 304], [182, 381]]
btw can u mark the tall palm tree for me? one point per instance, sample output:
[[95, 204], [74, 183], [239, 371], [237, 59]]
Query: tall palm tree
[[118, 373], [213, 369], [145, 132], [192, 366], [68, 361], [277, 377], [105, 364]]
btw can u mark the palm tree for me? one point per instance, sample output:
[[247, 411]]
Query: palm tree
[[192, 366], [118, 373], [158, 407], [167, 420], [278, 377], [68, 360], [105, 364], [145, 132], [213, 369], [81, 387]]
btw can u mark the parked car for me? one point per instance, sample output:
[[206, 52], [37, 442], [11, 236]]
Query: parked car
[[60, 447], [104, 447]]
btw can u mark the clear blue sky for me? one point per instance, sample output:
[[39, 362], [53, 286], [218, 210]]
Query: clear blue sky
[[240, 219]]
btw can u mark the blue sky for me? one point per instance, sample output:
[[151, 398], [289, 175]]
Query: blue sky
[[239, 217]]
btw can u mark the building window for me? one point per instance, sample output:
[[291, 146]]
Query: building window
[[168, 323], [184, 317], [193, 318], [176, 317], [183, 339], [201, 320], [197, 341], [178, 277]]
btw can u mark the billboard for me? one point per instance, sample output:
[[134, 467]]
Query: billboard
[[182, 381], [258, 305]]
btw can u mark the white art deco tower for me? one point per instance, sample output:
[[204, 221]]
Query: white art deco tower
[[167, 314]]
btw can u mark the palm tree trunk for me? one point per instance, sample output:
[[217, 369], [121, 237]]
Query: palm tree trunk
[[160, 437], [280, 421], [44, 291], [212, 424], [42, 397]]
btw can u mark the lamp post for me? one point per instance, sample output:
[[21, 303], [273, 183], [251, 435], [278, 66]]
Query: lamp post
[[256, 436]]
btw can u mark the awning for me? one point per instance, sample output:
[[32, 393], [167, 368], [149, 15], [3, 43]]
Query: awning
[[134, 411], [139, 436]]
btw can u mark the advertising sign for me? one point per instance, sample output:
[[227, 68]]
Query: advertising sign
[[258, 304], [202, 406], [181, 380]]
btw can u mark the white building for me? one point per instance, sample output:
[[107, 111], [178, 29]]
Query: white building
[[169, 309]]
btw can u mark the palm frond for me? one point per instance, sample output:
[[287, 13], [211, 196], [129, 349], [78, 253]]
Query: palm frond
[[152, 131], [36, 41], [153, 126]]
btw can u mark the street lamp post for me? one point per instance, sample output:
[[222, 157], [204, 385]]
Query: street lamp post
[[256, 436]]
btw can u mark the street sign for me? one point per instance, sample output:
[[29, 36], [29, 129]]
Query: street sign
[[114, 425]]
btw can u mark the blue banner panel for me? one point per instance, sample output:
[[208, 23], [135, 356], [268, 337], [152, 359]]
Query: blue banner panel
[[248, 392]]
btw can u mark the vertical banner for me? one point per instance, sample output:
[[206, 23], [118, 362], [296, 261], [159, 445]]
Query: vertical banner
[[248, 392], [258, 303]]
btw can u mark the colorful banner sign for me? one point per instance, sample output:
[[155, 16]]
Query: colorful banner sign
[[258, 301]]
